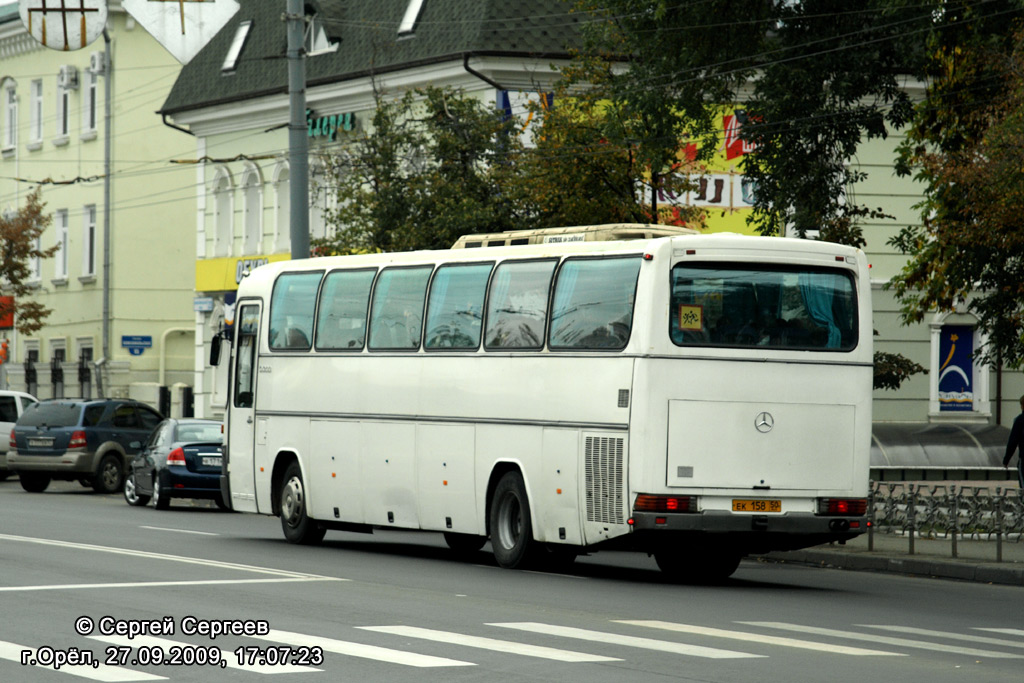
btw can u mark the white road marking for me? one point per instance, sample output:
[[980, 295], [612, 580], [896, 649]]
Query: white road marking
[[627, 641], [873, 638], [156, 584], [756, 638], [111, 674], [226, 655], [1007, 631], [344, 647], [944, 634], [179, 531], [507, 646]]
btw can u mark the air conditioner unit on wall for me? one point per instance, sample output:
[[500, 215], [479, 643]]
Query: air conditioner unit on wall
[[97, 63], [67, 77]]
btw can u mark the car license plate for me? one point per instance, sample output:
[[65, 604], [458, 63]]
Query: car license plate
[[745, 505], [40, 443], [214, 461]]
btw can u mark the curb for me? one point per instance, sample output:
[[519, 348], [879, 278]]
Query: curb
[[1008, 574]]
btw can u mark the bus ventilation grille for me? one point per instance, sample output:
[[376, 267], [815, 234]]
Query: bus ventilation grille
[[604, 479]]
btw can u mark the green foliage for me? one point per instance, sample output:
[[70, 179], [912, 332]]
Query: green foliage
[[19, 235], [892, 369]]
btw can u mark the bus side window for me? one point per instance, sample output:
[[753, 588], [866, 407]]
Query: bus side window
[[344, 300], [518, 305], [455, 306], [397, 311], [593, 303], [291, 310]]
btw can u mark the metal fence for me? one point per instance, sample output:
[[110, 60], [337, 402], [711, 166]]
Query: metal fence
[[946, 511]]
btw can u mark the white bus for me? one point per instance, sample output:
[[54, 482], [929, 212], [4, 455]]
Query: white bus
[[699, 398]]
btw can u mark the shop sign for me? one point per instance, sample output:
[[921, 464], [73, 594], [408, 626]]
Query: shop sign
[[328, 126]]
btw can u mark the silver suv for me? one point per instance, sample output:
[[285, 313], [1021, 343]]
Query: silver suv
[[87, 440]]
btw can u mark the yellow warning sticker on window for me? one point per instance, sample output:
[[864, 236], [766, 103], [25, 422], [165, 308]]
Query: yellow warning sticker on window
[[691, 317]]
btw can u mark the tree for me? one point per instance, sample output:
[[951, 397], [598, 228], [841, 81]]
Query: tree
[[967, 146], [19, 240]]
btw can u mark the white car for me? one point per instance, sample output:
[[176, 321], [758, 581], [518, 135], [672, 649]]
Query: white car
[[12, 405]]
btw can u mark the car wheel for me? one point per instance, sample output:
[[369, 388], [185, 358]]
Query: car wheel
[[161, 498], [297, 526], [33, 482], [131, 493], [511, 525], [109, 477]]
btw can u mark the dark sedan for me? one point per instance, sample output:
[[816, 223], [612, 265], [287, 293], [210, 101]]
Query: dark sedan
[[181, 459]]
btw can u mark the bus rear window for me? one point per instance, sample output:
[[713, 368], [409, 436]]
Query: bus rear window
[[762, 306]]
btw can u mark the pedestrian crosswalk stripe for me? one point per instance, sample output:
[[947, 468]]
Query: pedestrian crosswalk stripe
[[109, 674], [1007, 631], [226, 655], [757, 638], [490, 644], [627, 641], [944, 634], [344, 647], [877, 639]]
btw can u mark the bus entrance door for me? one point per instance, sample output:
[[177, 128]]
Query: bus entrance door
[[240, 438]]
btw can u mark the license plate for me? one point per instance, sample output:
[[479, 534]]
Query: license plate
[[212, 461], [40, 443], [743, 505]]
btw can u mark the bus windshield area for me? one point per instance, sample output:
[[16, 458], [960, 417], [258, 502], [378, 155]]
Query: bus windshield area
[[724, 305]]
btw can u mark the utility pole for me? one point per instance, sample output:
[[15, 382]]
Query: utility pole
[[298, 144]]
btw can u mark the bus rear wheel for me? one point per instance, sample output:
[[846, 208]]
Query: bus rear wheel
[[296, 524], [511, 524]]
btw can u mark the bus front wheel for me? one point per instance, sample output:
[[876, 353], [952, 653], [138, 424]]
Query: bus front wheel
[[297, 526], [511, 526]]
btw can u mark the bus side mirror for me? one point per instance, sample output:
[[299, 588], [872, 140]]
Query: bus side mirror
[[215, 350]]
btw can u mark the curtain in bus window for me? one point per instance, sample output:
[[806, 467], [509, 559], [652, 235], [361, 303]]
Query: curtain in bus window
[[818, 294], [455, 306], [593, 307], [517, 305], [397, 312], [291, 311], [344, 300]]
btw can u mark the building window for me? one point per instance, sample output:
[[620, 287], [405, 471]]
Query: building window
[[10, 104], [35, 130], [235, 51], [412, 15], [282, 209], [223, 213], [252, 217], [317, 41], [85, 369], [31, 375], [36, 272], [89, 241], [60, 259], [63, 114], [57, 367], [89, 105]]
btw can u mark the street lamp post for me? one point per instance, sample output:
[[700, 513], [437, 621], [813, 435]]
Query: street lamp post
[[298, 145]]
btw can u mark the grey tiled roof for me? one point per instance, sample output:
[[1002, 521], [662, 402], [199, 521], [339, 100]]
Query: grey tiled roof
[[369, 42]]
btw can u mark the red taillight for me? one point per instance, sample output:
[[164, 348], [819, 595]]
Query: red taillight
[[176, 457], [852, 507], [648, 503], [77, 439], [13, 443]]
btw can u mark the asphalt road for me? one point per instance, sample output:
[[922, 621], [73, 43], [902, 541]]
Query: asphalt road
[[81, 572]]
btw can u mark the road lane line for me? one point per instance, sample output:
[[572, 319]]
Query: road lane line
[[109, 674], [873, 638], [944, 634], [344, 647], [162, 556], [756, 638], [149, 584], [1007, 631], [180, 531], [626, 641], [507, 646], [226, 655]]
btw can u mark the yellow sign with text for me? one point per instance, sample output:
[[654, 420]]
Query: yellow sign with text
[[224, 274]]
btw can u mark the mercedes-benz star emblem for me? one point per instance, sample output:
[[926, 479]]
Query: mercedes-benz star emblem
[[764, 422]]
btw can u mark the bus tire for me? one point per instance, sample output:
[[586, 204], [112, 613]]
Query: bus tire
[[464, 544], [700, 565], [296, 524], [511, 526]]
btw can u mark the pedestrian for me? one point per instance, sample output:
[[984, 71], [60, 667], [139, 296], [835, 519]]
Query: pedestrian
[[1016, 441]]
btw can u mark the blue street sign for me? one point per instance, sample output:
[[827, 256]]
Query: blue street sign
[[136, 343]]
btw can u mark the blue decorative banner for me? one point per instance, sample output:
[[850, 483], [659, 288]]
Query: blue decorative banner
[[956, 372]]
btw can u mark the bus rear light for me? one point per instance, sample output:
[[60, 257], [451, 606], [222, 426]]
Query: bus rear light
[[77, 439], [648, 503], [176, 457], [852, 507]]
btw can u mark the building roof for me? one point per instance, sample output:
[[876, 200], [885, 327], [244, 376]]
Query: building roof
[[368, 42]]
